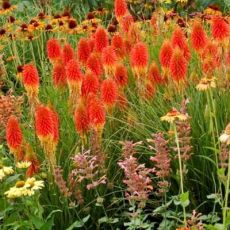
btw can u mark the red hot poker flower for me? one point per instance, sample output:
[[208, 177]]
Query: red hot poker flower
[[83, 50], [67, 53], [53, 49], [101, 39], [94, 64], [59, 75], [166, 52], [178, 65], [121, 75], [120, 8], [13, 134], [220, 28], [90, 84]]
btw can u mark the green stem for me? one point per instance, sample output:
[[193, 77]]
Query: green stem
[[226, 194], [181, 170]]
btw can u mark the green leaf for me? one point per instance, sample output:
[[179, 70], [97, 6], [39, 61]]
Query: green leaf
[[79, 223], [107, 220], [37, 222], [48, 225], [184, 199]]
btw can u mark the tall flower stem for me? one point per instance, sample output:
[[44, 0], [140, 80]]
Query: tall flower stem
[[180, 169], [226, 194]]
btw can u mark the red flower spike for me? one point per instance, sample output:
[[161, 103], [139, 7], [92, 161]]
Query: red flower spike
[[73, 72], [121, 75], [43, 122], [118, 44], [94, 64], [67, 53], [30, 77], [220, 28], [55, 122], [198, 36], [154, 74], [178, 65], [81, 119], [109, 57], [96, 113], [166, 52], [149, 91], [13, 133], [179, 40], [120, 8], [109, 92], [83, 50], [53, 49], [90, 84], [59, 75], [139, 58], [101, 39], [126, 23]]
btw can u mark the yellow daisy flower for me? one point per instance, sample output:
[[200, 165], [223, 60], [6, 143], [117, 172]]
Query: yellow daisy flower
[[173, 115], [23, 164]]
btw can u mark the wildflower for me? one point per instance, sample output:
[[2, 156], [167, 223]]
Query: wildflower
[[96, 113], [220, 28], [154, 74], [81, 120], [14, 135], [46, 126], [6, 7], [225, 136], [83, 50], [61, 183], [136, 178], [174, 115], [198, 36], [206, 83], [67, 53], [118, 44], [24, 188], [161, 161], [94, 64], [59, 75], [166, 52], [139, 59], [109, 92], [109, 59], [121, 75], [31, 81], [178, 65], [101, 39], [179, 40], [23, 164], [120, 8], [90, 84], [53, 50], [5, 171], [126, 23]]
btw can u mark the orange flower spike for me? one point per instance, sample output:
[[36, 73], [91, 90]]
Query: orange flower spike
[[94, 64], [220, 28], [31, 80], [178, 66], [179, 40], [96, 112], [126, 23], [90, 84], [83, 50], [109, 59], [67, 53], [13, 134], [118, 44], [139, 59], [121, 75], [154, 74], [165, 55], [198, 36], [59, 75], [81, 120], [73, 72], [120, 8], [44, 123], [109, 92], [53, 50], [55, 121], [101, 39]]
